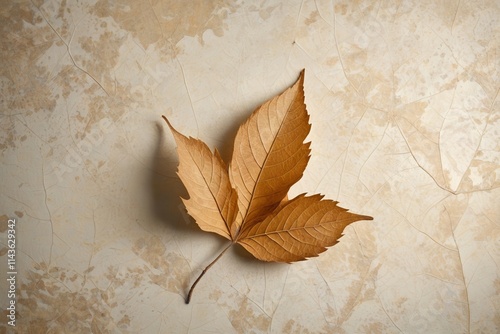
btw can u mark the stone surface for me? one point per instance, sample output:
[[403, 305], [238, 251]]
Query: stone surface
[[403, 98]]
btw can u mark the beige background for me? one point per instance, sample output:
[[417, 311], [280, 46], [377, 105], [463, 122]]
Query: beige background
[[403, 98]]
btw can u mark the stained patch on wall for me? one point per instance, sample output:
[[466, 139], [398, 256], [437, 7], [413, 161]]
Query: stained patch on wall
[[167, 21], [49, 303], [172, 270], [23, 84]]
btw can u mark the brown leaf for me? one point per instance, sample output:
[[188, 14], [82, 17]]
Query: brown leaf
[[269, 153], [212, 202], [301, 228], [269, 157]]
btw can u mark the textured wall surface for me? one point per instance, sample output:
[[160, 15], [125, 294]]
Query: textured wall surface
[[405, 113]]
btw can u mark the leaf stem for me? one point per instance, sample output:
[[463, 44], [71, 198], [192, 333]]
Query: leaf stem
[[188, 298]]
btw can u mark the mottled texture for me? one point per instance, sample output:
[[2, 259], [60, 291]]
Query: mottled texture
[[403, 98]]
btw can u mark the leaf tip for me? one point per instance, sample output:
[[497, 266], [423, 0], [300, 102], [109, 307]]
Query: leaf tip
[[168, 123], [176, 133], [301, 76]]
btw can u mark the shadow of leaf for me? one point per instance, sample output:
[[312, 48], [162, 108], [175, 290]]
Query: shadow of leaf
[[227, 139], [166, 187]]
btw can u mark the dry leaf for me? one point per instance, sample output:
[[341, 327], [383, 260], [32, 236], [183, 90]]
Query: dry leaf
[[248, 202], [302, 228], [212, 202]]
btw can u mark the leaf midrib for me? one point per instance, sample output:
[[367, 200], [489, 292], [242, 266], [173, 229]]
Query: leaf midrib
[[211, 192], [294, 229], [257, 181]]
